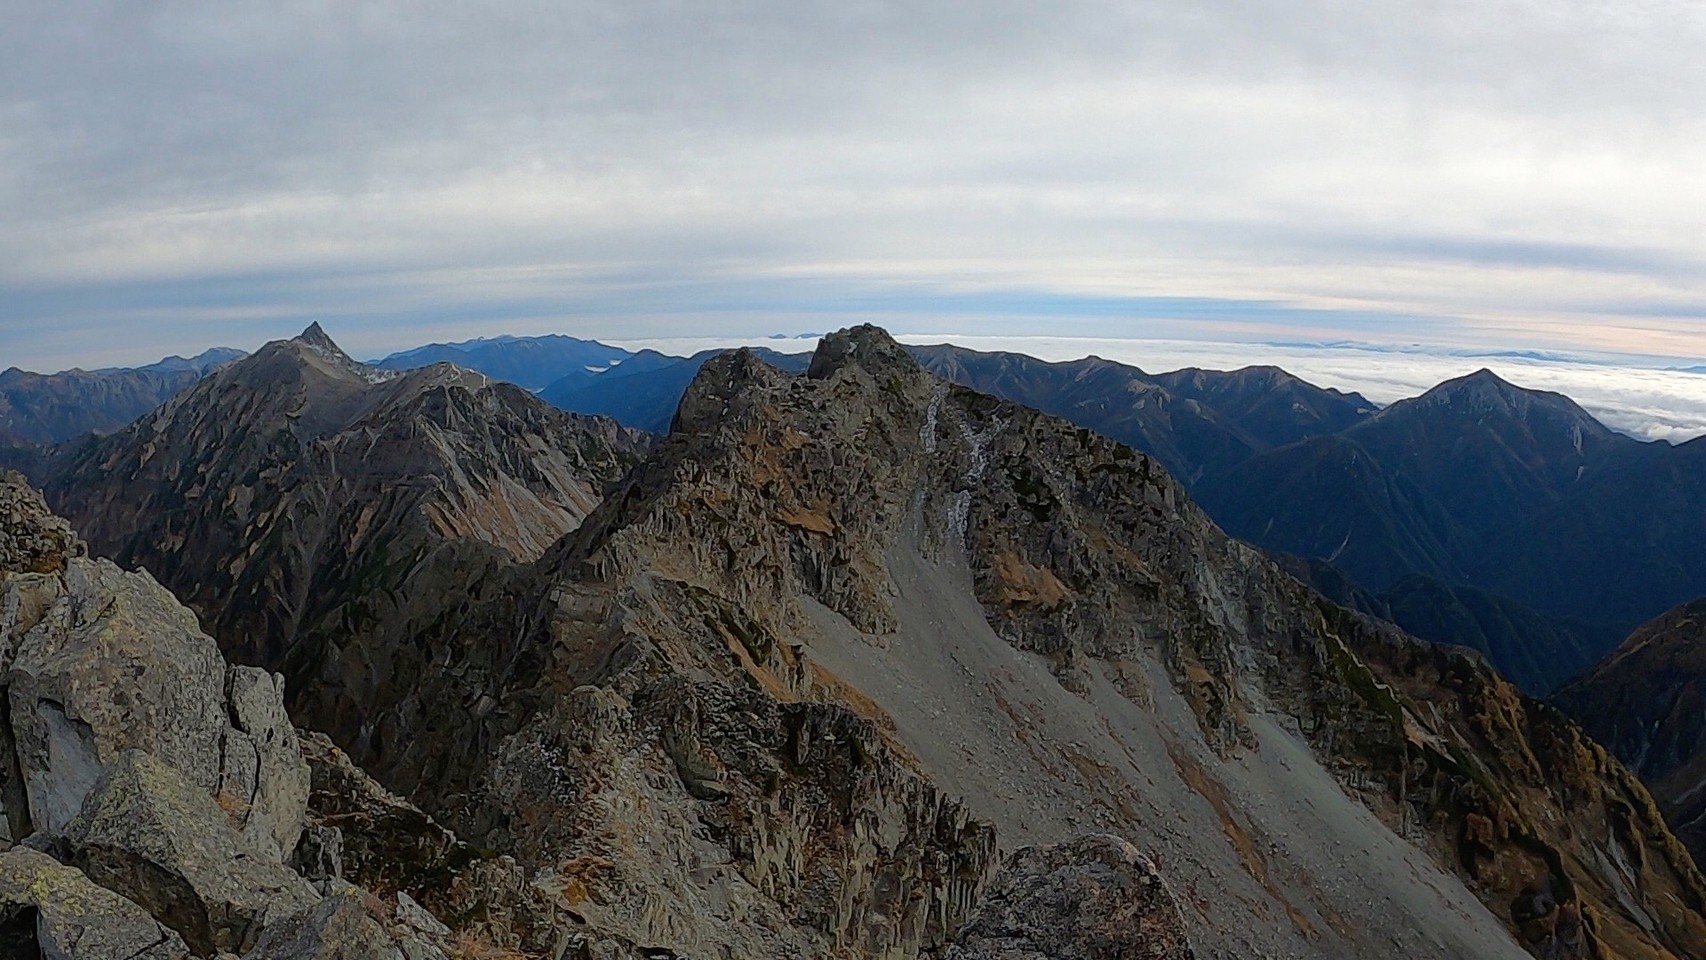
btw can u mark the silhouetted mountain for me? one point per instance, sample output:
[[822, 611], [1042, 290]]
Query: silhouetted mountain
[[1268, 403], [1328, 498], [1490, 452], [1625, 544], [529, 362], [1517, 492], [1647, 702], [48, 408]]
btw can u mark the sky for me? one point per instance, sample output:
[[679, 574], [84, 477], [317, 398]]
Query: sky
[[1447, 175]]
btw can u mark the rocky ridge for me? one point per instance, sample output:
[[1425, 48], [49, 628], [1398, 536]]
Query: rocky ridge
[[139, 842], [311, 509], [690, 721], [1086, 554]]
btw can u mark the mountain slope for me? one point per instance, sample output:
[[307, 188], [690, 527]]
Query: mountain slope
[[1050, 626], [1646, 511], [1536, 652], [1198, 423], [1647, 702], [527, 362], [1516, 492], [42, 408], [305, 505], [1490, 452], [1328, 498]]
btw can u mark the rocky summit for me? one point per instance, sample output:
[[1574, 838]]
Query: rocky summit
[[852, 663]]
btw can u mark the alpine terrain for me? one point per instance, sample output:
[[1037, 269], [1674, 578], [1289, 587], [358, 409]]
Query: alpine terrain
[[850, 663]]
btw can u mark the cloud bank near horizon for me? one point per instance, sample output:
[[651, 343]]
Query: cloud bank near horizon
[[1460, 174], [1645, 401]]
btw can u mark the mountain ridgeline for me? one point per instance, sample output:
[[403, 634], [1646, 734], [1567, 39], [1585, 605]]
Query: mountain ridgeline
[[854, 662]]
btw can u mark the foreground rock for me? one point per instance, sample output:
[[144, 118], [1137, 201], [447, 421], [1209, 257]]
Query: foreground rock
[[169, 788], [49, 909], [1096, 898], [148, 835], [103, 661]]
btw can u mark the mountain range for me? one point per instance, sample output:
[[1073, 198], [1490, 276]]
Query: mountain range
[[1474, 514], [47, 408], [852, 662]]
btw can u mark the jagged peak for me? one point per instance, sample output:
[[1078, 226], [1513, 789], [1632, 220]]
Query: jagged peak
[[719, 381], [866, 345]]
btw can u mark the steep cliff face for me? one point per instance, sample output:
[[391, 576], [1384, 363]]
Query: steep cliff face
[[831, 529], [1647, 702], [310, 509]]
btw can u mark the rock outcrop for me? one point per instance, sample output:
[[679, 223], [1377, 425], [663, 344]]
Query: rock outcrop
[[1096, 898], [100, 661], [48, 909], [167, 789]]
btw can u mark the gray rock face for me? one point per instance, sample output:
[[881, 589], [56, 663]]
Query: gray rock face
[[338, 927], [102, 661], [32, 540], [1095, 898], [73, 919], [146, 833]]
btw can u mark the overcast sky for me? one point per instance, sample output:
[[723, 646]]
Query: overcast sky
[[1467, 174]]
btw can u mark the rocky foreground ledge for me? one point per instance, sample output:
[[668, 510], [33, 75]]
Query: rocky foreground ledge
[[158, 804]]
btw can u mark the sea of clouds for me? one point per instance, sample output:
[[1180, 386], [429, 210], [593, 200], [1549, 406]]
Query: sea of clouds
[[1637, 396]]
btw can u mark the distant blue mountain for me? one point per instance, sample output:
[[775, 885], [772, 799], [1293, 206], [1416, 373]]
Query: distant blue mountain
[[528, 362], [47, 408]]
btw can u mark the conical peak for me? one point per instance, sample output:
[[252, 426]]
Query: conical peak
[[315, 336], [867, 346]]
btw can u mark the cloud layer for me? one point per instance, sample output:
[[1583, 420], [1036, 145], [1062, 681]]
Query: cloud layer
[[1505, 174]]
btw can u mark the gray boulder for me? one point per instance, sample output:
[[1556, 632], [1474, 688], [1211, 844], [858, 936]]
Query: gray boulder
[[339, 927], [147, 834], [1095, 898], [102, 661], [57, 911]]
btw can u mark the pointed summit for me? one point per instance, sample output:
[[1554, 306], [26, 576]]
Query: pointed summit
[[316, 334]]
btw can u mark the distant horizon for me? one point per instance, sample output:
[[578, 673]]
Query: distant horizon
[[1647, 397]]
